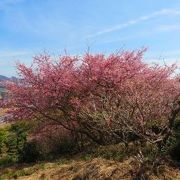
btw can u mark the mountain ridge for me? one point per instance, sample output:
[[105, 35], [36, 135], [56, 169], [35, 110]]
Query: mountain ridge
[[5, 78]]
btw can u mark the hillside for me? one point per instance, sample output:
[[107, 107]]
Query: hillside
[[2, 78], [79, 169], [5, 78]]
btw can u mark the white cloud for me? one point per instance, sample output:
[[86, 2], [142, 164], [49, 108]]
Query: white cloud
[[166, 12]]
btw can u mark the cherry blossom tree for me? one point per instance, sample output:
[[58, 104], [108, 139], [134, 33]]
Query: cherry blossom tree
[[109, 99]]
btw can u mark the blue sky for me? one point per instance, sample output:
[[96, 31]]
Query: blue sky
[[29, 27]]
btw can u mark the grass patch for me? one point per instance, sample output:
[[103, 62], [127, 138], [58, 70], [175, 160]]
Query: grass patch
[[14, 172]]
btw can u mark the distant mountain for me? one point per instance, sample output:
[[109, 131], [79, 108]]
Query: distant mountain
[[5, 78]]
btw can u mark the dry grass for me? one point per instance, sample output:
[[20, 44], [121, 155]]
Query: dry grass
[[95, 169]]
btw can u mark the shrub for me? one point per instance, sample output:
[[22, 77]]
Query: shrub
[[30, 152], [12, 141], [115, 152], [174, 147], [54, 140], [3, 140]]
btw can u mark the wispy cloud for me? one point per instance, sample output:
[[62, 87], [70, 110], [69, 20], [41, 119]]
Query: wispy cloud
[[165, 61], [162, 12], [10, 54], [169, 27], [165, 57]]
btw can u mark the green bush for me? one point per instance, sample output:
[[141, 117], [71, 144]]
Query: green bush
[[64, 146], [175, 142], [12, 141], [115, 152], [3, 139], [30, 152], [172, 147]]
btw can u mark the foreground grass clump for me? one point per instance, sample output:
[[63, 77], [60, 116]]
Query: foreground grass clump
[[15, 172], [95, 168]]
